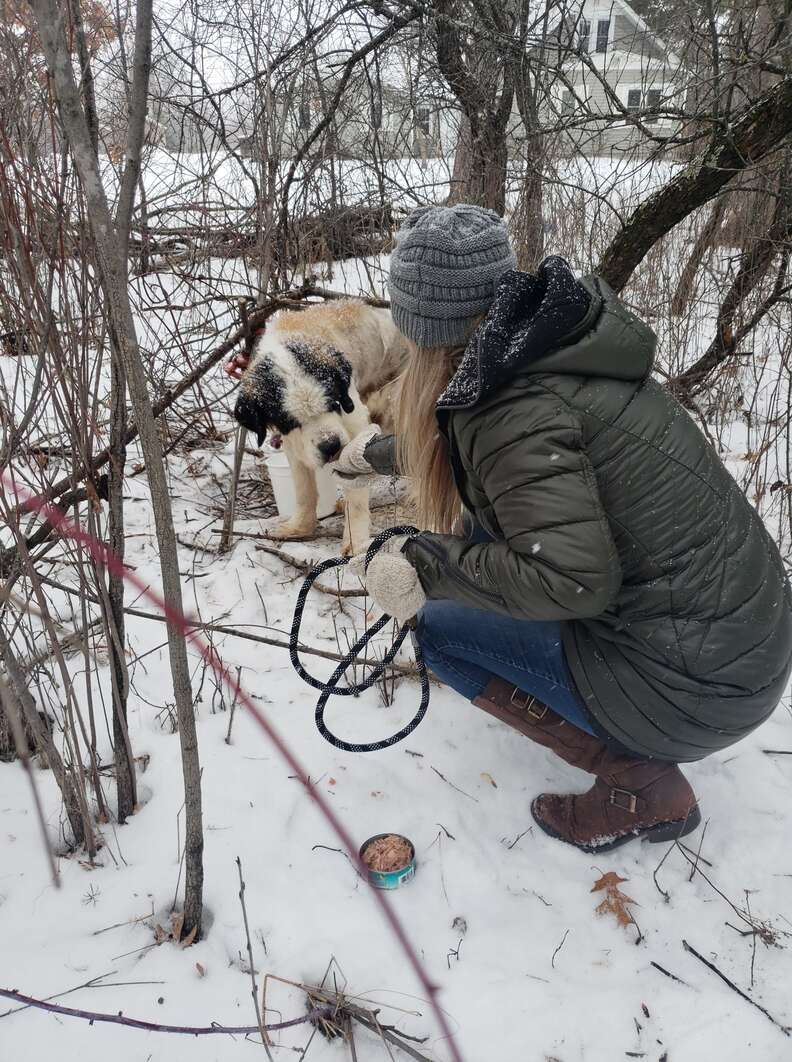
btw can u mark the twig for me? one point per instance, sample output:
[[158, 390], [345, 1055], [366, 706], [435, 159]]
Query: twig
[[517, 838], [230, 513], [711, 966], [221, 628], [694, 866], [341, 851], [150, 1026], [385, 1032], [689, 851], [667, 973], [265, 1040], [305, 568], [462, 791], [59, 995], [666, 895], [753, 939], [454, 952], [766, 932], [560, 946]]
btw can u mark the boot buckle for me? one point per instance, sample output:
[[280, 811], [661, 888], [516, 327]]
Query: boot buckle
[[530, 705], [631, 804]]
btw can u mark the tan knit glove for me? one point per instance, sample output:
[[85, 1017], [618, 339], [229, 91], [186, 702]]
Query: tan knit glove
[[392, 581], [352, 470]]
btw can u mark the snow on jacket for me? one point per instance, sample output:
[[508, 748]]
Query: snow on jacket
[[612, 514]]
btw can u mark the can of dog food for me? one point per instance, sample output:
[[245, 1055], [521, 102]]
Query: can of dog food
[[389, 859]]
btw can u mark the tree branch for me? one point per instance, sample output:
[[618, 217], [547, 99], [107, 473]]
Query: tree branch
[[762, 129]]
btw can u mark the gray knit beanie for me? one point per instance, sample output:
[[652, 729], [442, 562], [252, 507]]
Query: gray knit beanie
[[444, 271]]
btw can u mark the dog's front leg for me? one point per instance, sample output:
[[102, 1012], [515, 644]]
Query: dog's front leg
[[303, 523], [356, 522]]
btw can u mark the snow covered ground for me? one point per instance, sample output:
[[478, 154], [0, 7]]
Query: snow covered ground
[[509, 995]]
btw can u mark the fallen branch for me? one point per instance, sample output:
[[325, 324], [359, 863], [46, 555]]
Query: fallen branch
[[151, 1026], [305, 568], [407, 670], [785, 1029], [667, 973]]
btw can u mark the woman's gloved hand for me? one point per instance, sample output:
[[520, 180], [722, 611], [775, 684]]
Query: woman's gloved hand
[[392, 581], [351, 468]]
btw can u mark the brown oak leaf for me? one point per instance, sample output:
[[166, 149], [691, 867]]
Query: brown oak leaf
[[615, 901]]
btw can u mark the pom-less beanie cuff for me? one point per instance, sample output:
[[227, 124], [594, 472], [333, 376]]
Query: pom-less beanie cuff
[[445, 270], [432, 331]]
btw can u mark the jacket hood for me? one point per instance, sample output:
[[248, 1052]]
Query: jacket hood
[[550, 322]]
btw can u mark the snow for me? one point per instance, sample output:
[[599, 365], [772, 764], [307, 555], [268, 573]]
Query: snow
[[537, 975], [505, 994]]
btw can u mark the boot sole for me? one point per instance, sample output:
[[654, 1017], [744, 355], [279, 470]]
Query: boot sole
[[661, 831]]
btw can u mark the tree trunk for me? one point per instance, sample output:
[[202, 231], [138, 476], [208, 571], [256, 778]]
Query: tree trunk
[[458, 182], [112, 271], [126, 788], [74, 801], [701, 248]]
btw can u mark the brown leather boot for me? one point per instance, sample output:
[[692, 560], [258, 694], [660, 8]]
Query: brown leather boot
[[631, 797]]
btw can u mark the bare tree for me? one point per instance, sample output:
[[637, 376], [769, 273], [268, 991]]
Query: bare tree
[[110, 241]]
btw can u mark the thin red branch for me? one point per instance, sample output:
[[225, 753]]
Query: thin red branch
[[152, 1026]]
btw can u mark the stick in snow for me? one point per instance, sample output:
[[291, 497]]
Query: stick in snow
[[785, 1029], [151, 1026]]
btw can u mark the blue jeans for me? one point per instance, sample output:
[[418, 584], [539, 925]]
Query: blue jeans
[[466, 647]]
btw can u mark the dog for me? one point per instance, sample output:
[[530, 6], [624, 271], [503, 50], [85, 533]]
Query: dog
[[317, 377]]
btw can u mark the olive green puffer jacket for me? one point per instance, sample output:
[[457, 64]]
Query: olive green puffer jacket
[[612, 514]]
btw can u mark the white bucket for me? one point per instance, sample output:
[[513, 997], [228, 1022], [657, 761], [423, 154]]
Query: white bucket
[[283, 486]]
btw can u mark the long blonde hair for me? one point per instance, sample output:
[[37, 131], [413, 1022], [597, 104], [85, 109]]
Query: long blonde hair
[[422, 448]]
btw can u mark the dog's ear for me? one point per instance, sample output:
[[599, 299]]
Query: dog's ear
[[343, 380], [254, 415]]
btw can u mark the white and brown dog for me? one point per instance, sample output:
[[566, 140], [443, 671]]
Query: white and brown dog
[[318, 377]]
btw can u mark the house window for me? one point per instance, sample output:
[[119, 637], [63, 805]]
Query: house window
[[634, 101], [652, 102], [304, 116], [567, 102], [603, 32], [423, 121], [584, 33]]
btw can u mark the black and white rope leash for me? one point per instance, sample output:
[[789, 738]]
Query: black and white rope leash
[[331, 687]]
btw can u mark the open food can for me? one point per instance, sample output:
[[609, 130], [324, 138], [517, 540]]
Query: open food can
[[389, 859]]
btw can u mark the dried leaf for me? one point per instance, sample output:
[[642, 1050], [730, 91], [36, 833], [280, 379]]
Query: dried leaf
[[160, 934], [615, 902], [177, 921], [201, 969], [488, 778], [189, 938]]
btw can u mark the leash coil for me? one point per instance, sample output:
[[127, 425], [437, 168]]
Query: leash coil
[[331, 686]]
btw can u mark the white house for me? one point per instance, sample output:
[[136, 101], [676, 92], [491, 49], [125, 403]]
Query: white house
[[618, 68]]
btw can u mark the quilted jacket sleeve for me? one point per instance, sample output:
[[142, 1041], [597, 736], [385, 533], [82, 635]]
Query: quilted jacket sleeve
[[558, 560]]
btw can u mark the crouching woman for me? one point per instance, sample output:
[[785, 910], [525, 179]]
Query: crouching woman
[[617, 600]]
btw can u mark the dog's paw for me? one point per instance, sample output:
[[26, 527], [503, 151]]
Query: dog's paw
[[291, 531], [351, 547]]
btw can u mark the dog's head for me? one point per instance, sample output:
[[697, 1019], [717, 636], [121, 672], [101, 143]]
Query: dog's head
[[298, 386]]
